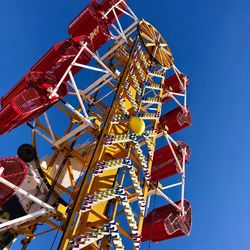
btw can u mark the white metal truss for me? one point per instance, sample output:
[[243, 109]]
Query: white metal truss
[[23, 219], [179, 98], [84, 95], [26, 194], [46, 207], [84, 48], [117, 25]]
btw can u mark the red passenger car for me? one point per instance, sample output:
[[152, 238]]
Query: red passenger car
[[175, 120], [166, 222], [173, 84], [89, 23], [19, 87], [31, 102], [56, 61], [164, 163], [15, 171]]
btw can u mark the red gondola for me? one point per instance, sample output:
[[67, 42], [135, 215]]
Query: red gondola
[[166, 222], [164, 163], [19, 87], [173, 84], [175, 120], [15, 171], [54, 62], [31, 102], [59, 57], [89, 23]]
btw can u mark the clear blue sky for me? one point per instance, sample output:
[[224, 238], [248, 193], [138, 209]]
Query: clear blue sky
[[210, 41]]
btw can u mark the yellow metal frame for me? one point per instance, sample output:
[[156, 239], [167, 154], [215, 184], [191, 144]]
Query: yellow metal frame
[[74, 222]]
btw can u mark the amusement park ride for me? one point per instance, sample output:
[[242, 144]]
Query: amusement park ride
[[96, 157]]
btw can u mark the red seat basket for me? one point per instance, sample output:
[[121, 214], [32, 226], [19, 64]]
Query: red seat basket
[[166, 222], [15, 171], [89, 23], [164, 163], [59, 57], [175, 120], [18, 88], [173, 84], [30, 103]]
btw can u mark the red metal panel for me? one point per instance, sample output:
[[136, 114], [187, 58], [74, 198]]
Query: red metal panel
[[20, 86], [8, 119], [54, 62], [15, 171], [89, 23], [173, 84], [164, 164], [22, 109], [59, 57], [175, 120], [31, 102], [166, 222]]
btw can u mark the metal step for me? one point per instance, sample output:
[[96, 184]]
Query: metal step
[[148, 116], [114, 193], [154, 86], [157, 74], [119, 118], [154, 100], [96, 234], [101, 167], [122, 138]]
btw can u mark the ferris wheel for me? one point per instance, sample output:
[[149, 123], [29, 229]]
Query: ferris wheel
[[96, 156]]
